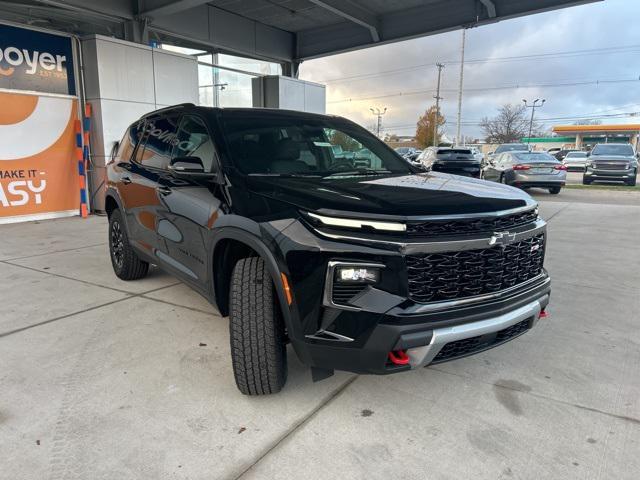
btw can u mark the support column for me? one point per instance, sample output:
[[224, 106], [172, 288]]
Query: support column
[[291, 69], [579, 141], [136, 31]]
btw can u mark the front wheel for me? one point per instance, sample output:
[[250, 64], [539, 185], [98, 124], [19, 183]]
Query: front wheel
[[585, 181], [554, 190], [256, 330], [125, 261], [631, 182]]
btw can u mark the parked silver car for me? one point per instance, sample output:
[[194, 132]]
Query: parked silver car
[[575, 161], [527, 169]]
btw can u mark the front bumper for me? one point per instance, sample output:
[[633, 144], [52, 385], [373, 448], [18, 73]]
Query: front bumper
[[330, 336], [425, 336], [545, 180], [614, 175]]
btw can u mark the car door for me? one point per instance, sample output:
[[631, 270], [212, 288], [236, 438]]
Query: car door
[[192, 203], [141, 193]]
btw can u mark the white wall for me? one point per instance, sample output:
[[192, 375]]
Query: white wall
[[123, 81], [288, 93]]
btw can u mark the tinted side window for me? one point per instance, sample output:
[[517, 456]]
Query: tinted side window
[[193, 140], [128, 143], [160, 138]]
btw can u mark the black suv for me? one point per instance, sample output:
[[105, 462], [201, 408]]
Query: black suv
[[362, 263], [611, 162]]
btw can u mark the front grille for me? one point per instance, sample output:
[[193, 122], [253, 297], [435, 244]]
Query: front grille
[[467, 346], [454, 275], [611, 166], [462, 226], [342, 293]]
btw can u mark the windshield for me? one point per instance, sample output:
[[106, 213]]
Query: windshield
[[576, 155], [511, 147], [534, 157], [281, 145], [613, 149]]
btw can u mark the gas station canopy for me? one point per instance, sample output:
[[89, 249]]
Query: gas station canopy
[[286, 31]]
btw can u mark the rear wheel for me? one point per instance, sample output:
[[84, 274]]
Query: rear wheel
[[554, 190], [256, 329], [125, 261]]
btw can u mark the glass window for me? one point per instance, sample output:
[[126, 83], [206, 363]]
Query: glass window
[[534, 157], [612, 149], [160, 138], [128, 143], [306, 146], [193, 140]]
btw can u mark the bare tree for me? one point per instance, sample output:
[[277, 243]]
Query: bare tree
[[510, 125]]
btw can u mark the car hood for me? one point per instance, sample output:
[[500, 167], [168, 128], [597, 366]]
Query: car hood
[[429, 193]]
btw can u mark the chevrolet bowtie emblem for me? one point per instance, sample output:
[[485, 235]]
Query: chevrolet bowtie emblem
[[502, 238]]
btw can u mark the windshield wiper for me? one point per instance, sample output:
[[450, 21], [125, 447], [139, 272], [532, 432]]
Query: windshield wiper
[[360, 171], [285, 175]]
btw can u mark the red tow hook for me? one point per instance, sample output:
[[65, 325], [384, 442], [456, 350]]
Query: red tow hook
[[399, 357], [543, 314]]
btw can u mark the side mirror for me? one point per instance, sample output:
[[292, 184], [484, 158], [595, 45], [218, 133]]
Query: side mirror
[[187, 165], [588, 154]]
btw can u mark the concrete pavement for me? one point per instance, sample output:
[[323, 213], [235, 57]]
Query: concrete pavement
[[103, 379]]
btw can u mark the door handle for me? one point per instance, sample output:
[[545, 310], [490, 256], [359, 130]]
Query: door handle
[[163, 190], [125, 180]]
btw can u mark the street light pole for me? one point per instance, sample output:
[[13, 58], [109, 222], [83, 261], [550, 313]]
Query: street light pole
[[438, 98], [533, 107], [379, 113], [464, 36]]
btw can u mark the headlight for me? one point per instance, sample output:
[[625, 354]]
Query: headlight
[[358, 223], [358, 274]]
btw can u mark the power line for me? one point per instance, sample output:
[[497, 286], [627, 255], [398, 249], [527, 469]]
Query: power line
[[546, 119], [541, 56], [492, 88]]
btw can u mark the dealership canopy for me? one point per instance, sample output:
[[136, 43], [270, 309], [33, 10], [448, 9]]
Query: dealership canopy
[[284, 31]]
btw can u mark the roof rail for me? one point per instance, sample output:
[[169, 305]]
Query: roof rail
[[172, 107]]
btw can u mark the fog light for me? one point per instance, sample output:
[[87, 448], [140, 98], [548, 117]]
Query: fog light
[[358, 274]]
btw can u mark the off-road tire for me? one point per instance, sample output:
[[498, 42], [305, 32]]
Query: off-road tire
[[554, 190], [125, 261], [257, 334]]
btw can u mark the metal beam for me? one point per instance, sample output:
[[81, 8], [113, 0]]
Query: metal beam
[[353, 13], [173, 7], [491, 8]]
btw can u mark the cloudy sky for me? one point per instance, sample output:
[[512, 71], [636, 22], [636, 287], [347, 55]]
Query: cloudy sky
[[592, 43]]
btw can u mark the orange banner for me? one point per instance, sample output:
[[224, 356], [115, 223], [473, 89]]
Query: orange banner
[[38, 170]]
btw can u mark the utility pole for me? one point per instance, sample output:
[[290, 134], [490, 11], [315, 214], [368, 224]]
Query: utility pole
[[533, 107], [464, 36], [378, 113], [438, 98]]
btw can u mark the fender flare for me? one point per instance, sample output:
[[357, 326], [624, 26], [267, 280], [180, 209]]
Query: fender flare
[[244, 236], [113, 193]]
